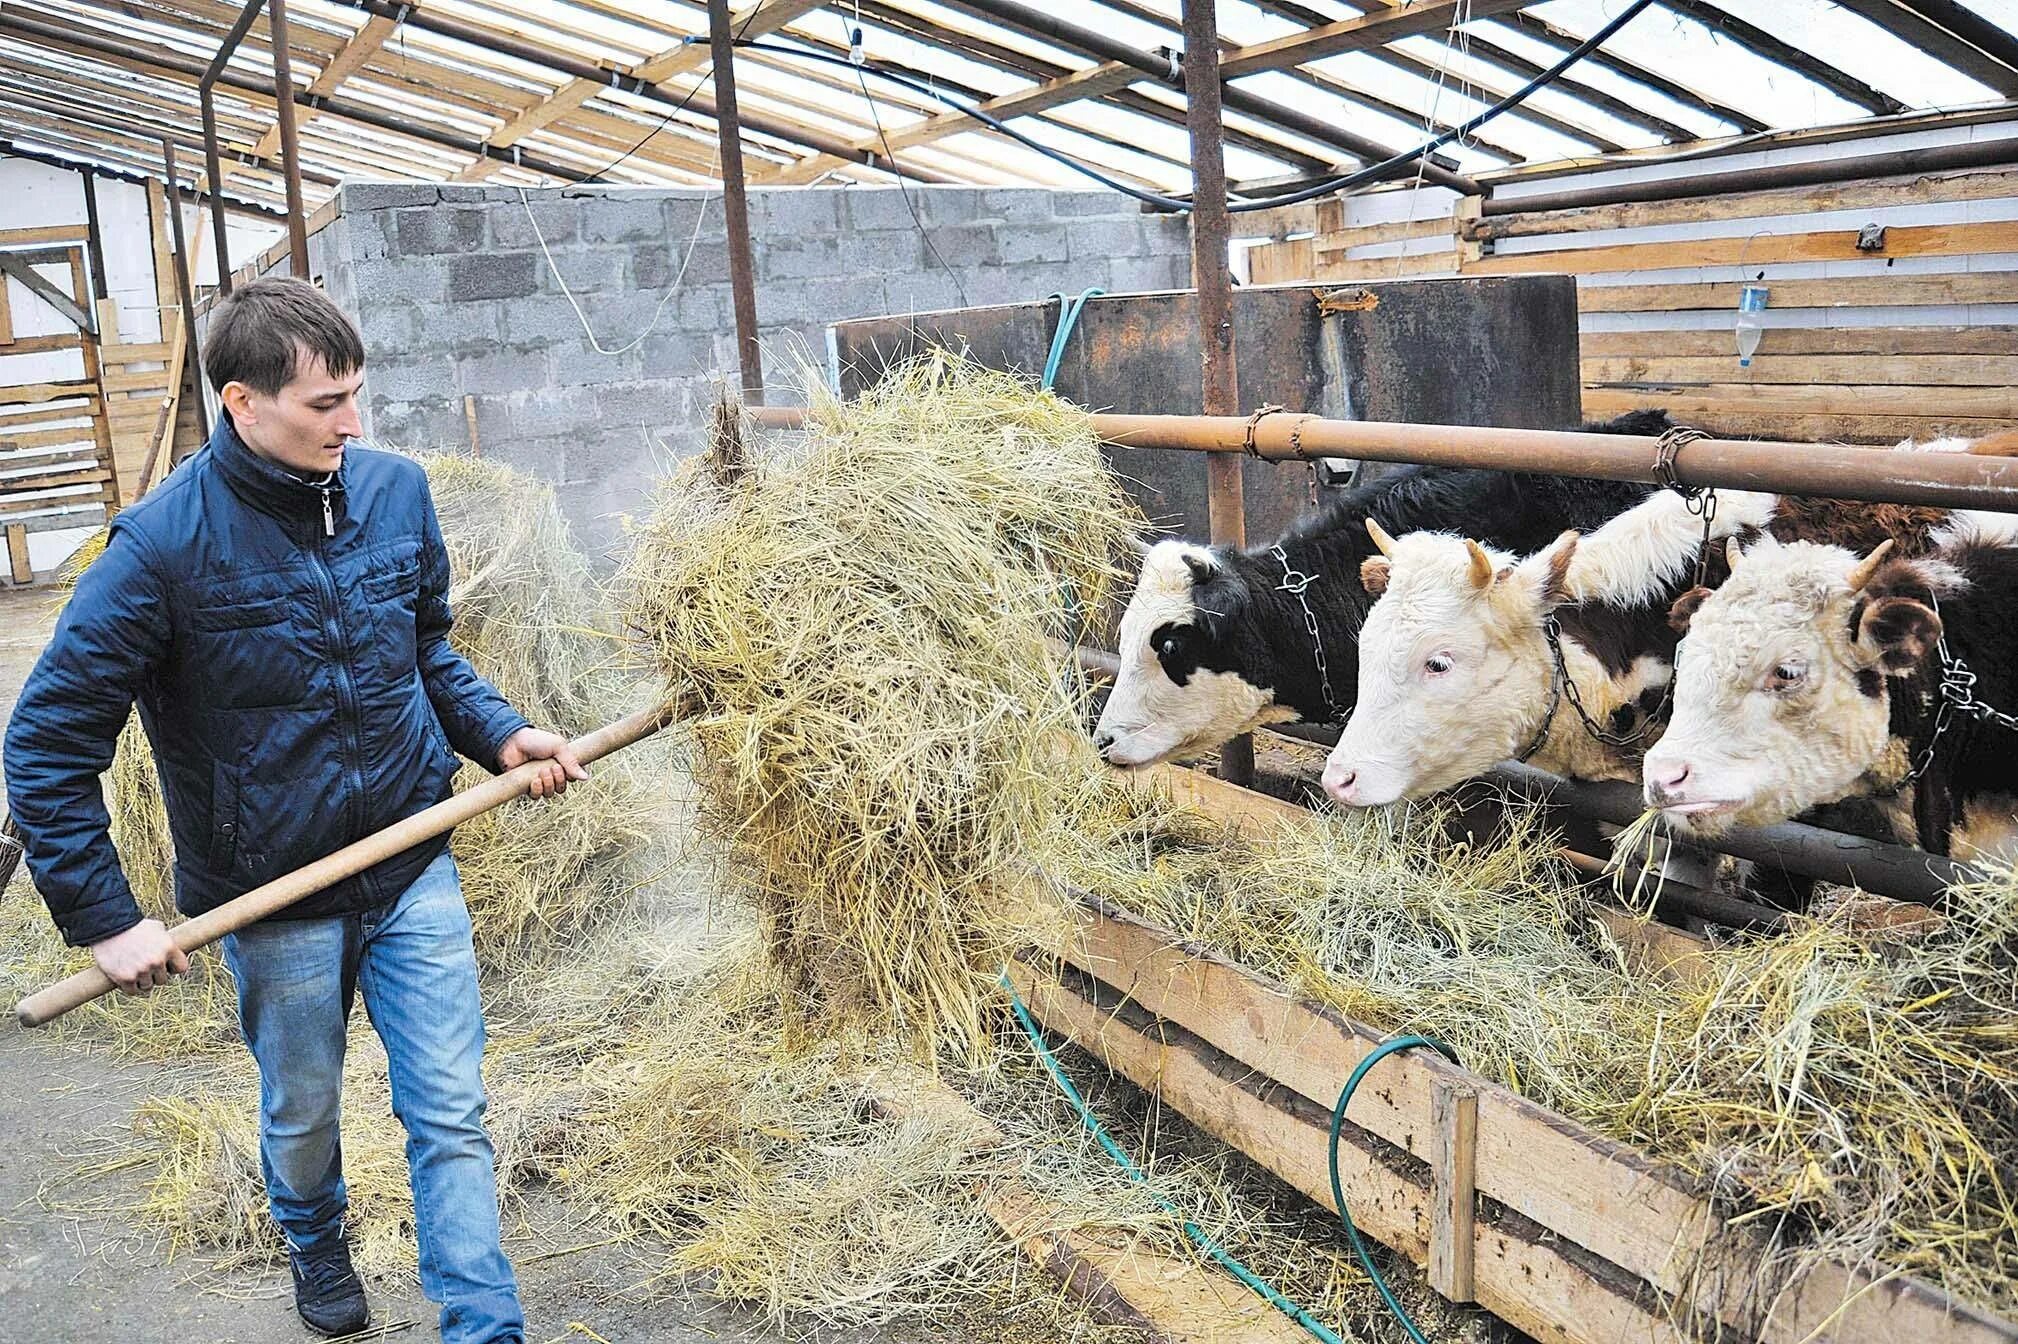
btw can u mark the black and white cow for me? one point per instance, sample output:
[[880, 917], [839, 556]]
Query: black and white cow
[[1213, 644]]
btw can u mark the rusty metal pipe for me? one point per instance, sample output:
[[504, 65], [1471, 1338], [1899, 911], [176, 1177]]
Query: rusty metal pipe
[[1212, 283], [290, 141], [185, 294], [213, 170], [1941, 480], [735, 203]]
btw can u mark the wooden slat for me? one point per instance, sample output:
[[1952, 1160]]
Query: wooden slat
[[1280, 263], [17, 553], [1842, 425], [44, 235], [164, 254], [1453, 1113], [2002, 340], [1859, 291], [1993, 403], [7, 338], [1387, 268], [54, 480], [1920, 370], [139, 380], [147, 351], [36, 345], [1974, 185], [28, 393], [1923, 240], [1365, 235], [19, 449], [101, 426]]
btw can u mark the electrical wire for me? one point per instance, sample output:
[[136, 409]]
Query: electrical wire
[[889, 154]]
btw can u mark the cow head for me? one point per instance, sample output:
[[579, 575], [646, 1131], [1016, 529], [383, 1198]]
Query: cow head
[[1781, 695], [1187, 682], [1454, 667]]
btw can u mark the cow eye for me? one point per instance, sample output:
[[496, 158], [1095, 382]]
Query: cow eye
[[1787, 674], [1170, 642], [1437, 664]]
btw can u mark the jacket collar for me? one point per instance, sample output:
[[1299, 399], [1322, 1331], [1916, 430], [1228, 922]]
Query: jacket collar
[[273, 489]]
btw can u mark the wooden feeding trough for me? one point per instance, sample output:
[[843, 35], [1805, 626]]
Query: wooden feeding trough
[[1562, 1233]]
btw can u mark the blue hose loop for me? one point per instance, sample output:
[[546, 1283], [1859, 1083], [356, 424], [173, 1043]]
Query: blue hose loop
[[1205, 1243], [1378, 1053], [1068, 318]]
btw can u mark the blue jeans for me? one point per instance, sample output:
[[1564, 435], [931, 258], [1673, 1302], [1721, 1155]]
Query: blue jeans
[[414, 960]]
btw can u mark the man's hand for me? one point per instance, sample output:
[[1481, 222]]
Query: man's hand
[[140, 958], [533, 744]]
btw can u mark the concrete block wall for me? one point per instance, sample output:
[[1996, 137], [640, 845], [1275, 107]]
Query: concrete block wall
[[464, 292]]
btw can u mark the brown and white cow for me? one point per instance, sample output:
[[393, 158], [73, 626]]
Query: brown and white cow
[[1812, 675]]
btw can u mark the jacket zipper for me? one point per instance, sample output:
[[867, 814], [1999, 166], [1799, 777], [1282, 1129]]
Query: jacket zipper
[[346, 687]]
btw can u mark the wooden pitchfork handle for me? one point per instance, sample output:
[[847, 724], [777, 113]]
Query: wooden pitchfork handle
[[46, 1005]]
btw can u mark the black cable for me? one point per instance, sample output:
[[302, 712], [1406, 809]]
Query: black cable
[[686, 98], [1343, 182], [902, 190]]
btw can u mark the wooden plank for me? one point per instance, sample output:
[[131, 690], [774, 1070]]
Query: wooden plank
[[139, 380], [35, 345], [1280, 263], [79, 435], [1972, 185], [1923, 240], [1453, 1113], [23, 483], [1999, 340], [1910, 370], [17, 553], [1523, 1276], [7, 320], [1838, 427], [1858, 291], [146, 351], [1171, 1300], [46, 234], [1962, 403], [101, 426], [164, 254], [1387, 268], [27, 393], [1394, 231]]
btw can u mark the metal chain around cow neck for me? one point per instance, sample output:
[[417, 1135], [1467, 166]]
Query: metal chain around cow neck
[[1565, 688], [1958, 696], [1294, 581]]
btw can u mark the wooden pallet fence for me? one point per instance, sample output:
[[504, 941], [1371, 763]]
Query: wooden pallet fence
[[1574, 1237]]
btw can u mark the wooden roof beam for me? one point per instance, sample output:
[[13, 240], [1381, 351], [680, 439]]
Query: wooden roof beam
[[765, 16], [1562, 40], [1978, 33], [1762, 43], [1358, 34], [353, 57]]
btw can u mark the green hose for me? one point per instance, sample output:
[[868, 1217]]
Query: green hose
[[1378, 1053], [1121, 1159], [1068, 318]]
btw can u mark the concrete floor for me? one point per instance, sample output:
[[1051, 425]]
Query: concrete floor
[[68, 1274]]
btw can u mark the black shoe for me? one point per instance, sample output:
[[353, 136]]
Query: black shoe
[[327, 1291]]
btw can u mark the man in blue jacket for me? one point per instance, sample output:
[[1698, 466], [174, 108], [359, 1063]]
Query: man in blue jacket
[[278, 608]]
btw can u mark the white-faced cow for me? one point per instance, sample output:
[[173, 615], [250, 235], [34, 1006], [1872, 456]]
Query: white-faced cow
[[1470, 655], [1812, 674], [1218, 641]]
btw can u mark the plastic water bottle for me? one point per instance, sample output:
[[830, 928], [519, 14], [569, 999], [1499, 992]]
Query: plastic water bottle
[[1751, 302]]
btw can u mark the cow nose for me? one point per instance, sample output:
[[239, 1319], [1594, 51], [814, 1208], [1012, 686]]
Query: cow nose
[[1102, 740], [1339, 782], [1665, 780]]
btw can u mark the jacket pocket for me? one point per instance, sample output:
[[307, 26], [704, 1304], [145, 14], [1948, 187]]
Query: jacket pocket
[[240, 615], [223, 819], [249, 654]]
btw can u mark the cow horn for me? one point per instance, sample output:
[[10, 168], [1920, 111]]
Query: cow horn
[[1481, 564], [1139, 545], [1868, 566], [1381, 540], [1733, 553]]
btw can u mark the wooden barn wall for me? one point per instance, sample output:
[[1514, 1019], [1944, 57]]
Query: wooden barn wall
[[1915, 337]]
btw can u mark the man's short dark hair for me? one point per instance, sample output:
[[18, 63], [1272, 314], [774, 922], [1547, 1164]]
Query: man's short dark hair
[[261, 333]]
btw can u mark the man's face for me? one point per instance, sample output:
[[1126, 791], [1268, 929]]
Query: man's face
[[303, 426]]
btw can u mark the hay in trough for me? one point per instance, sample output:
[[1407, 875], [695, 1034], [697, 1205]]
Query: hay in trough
[[862, 624], [1860, 1102]]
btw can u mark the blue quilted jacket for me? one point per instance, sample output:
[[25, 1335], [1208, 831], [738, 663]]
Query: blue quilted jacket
[[287, 643]]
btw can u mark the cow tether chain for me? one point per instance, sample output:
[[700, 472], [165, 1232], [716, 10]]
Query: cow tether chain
[[1565, 687], [1958, 696], [1294, 581], [1699, 499]]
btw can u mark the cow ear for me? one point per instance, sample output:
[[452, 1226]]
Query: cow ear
[[1898, 633], [1556, 568], [1373, 574], [1684, 609]]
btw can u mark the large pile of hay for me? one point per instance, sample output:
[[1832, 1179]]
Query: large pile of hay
[[863, 625], [1861, 1101]]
